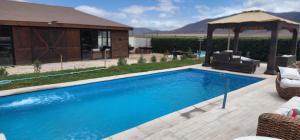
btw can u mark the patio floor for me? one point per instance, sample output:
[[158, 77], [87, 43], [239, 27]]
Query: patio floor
[[207, 121], [133, 58]]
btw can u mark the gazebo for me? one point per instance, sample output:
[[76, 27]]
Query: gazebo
[[253, 20]]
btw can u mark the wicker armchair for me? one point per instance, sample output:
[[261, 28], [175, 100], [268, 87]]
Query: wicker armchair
[[278, 126], [286, 93]]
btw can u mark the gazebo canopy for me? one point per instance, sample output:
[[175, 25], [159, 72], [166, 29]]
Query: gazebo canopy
[[254, 20], [251, 16]]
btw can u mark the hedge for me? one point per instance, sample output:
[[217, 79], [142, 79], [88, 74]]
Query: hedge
[[256, 48]]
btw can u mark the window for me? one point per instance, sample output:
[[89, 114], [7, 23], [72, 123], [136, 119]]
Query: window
[[104, 39]]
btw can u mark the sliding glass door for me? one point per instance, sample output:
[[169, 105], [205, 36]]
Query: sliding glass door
[[93, 44], [6, 46]]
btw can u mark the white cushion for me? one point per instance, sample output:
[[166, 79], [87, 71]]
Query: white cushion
[[216, 52], [286, 107], [256, 138], [288, 83], [282, 111], [228, 50], [246, 58], [236, 56], [287, 55], [289, 73]]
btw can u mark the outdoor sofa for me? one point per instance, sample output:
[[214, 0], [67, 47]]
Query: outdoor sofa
[[286, 60], [227, 60], [278, 124]]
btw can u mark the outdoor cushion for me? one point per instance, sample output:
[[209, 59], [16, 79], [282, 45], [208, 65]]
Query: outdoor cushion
[[228, 50], [255, 138], [288, 83], [286, 107], [287, 55], [289, 73], [295, 113], [236, 56], [246, 58]]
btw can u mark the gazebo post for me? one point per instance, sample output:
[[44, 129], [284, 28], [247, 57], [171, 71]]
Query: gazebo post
[[236, 39], [293, 50], [273, 50], [209, 45]]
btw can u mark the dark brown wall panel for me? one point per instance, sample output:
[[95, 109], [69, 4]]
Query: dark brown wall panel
[[49, 44], [73, 43], [120, 44], [22, 45]]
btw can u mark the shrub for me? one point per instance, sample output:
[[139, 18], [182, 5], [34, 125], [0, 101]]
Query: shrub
[[37, 66], [175, 58], [153, 59], [3, 72], [183, 57], [163, 59], [256, 48], [142, 60], [122, 61]]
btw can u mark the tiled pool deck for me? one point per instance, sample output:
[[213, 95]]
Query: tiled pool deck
[[202, 121]]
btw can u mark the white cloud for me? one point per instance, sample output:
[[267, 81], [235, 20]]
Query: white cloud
[[265, 5], [163, 6], [137, 9], [274, 5], [157, 24], [100, 12], [137, 16], [20, 0]]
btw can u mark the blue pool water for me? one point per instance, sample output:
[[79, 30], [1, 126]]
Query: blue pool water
[[98, 110]]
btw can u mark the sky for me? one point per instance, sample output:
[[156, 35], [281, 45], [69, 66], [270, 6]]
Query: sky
[[169, 14]]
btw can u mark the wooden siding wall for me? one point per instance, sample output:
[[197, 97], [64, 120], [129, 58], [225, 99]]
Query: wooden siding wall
[[120, 44], [22, 45], [46, 44]]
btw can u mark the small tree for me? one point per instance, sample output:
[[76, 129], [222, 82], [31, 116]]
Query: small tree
[[142, 60], [37, 66], [153, 59], [122, 61], [3, 72], [163, 59]]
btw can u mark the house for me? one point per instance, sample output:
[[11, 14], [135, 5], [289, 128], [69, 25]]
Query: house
[[30, 32]]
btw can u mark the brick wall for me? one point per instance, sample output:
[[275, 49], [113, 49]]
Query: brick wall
[[120, 44]]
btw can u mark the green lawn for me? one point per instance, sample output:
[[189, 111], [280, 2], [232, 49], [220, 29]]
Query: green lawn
[[116, 70]]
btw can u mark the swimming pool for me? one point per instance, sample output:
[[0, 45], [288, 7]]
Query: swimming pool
[[98, 110]]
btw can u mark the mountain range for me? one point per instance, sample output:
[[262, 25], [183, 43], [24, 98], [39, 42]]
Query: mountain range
[[201, 26]]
